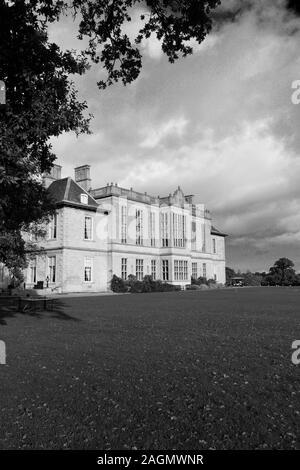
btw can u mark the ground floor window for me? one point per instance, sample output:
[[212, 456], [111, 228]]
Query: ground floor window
[[52, 268], [204, 270], [180, 270], [33, 271], [165, 270], [153, 269], [124, 268], [139, 269], [88, 267], [194, 271]]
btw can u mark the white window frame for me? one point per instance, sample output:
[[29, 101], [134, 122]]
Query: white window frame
[[165, 270], [139, 269], [123, 224], [85, 233], [84, 199], [52, 269], [124, 268], [194, 270], [139, 227], [52, 228], [153, 269], [88, 268]]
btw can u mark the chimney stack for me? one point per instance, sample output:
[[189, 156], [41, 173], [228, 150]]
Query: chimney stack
[[54, 174], [83, 177]]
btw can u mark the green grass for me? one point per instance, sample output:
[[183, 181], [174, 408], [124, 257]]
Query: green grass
[[186, 370]]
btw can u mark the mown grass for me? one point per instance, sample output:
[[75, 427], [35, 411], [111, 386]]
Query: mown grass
[[186, 370]]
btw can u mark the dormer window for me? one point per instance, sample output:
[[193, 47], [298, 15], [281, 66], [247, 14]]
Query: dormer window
[[83, 198]]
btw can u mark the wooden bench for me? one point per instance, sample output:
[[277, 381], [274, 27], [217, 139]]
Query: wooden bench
[[34, 304]]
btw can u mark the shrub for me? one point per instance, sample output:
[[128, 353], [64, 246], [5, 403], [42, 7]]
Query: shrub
[[117, 284]]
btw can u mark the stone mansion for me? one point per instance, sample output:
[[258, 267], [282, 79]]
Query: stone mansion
[[96, 233]]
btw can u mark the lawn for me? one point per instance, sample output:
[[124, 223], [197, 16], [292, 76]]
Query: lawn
[[183, 370]]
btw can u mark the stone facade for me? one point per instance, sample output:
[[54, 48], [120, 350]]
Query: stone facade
[[111, 230]]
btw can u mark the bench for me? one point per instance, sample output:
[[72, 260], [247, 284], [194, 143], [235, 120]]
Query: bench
[[34, 304]]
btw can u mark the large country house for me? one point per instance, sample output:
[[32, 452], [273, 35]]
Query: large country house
[[96, 233]]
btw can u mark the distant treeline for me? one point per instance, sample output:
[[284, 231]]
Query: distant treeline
[[282, 273]]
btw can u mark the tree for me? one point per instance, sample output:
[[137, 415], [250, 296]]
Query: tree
[[41, 100], [282, 273], [230, 273]]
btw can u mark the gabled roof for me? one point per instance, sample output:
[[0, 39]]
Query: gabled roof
[[67, 192], [215, 231]]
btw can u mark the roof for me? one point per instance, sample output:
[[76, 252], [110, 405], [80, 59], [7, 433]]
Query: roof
[[215, 231], [67, 192]]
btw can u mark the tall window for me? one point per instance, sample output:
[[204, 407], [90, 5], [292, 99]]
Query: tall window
[[139, 226], [180, 270], [185, 270], [164, 229], [88, 228], [139, 269], [53, 226], [204, 270], [194, 235], [165, 270], [124, 268], [1, 273], [152, 228], [88, 266], [194, 271], [123, 224], [214, 245], [33, 271], [52, 268], [203, 238], [153, 269]]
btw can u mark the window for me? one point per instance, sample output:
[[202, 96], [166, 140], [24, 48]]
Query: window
[[139, 269], [194, 236], [204, 270], [84, 198], [165, 270], [152, 228], [53, 226], [164, 229], [1, 273], [123, 224], [139, 226], [203, 238], [52, 268], [124, 268], [88, 228], [88, 269], [214, 245], [194, 271], [185, 270], [180, 270], [33, 271], [153, 269]]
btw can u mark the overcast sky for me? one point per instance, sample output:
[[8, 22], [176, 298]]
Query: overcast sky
[[221, 124]]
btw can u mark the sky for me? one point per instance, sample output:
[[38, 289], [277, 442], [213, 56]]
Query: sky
[[221, 124]]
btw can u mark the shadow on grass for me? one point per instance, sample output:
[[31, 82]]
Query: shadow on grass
[[58, 312]]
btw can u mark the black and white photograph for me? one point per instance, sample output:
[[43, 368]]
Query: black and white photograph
[[149, 231]]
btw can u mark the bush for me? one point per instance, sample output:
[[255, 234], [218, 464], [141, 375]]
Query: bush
[[146, 285], [200, 281], [117, 284]]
